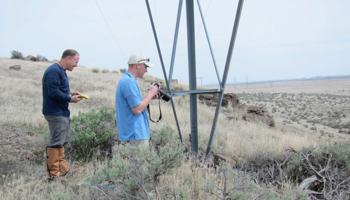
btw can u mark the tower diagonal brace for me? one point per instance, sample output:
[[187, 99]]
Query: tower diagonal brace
[[163, 68], [227, 66]]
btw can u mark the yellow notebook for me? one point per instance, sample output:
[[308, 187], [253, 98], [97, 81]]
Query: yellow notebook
[[84, 96]]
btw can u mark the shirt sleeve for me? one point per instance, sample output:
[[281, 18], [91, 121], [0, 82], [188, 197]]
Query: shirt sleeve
[[131, 94]]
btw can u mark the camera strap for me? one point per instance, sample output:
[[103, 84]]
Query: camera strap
[[149, 113]]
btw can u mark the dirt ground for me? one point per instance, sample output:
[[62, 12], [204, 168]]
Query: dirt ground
[[19, 146]]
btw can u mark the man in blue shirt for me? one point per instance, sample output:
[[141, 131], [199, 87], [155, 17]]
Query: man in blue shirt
[[131, 112], [56, 98]]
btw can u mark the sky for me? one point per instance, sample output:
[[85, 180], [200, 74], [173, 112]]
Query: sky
[[276, 39]]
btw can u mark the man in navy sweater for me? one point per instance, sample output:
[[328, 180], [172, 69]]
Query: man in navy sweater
[[56, 98]]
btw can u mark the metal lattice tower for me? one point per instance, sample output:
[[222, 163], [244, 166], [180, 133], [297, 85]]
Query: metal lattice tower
[[192, 92]]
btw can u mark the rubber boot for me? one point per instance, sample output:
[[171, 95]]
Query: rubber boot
[[63, 164], [53, 166]]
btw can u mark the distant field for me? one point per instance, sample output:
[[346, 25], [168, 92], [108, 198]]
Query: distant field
[[329, 86]]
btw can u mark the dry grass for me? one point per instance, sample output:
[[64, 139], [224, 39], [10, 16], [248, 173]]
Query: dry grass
[[32, 184], [237, 138], [21, 102], [21, 96]]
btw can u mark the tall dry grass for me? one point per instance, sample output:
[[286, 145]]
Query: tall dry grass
[[21, 99], [21, 96], [236, 138], [21, 102]]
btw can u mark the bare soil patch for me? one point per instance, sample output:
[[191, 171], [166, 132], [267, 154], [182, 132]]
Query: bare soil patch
[[19, 146]]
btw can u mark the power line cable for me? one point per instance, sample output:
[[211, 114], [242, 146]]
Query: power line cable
[[109, 27], [207, 9]]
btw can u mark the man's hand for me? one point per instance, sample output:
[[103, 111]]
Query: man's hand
[[75, 98], [153, 91], [75, 93]]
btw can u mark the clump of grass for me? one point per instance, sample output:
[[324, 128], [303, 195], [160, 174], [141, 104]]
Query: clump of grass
[[41, 58]]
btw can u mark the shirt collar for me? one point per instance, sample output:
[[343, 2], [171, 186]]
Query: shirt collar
[[60, 67], [130, 75]]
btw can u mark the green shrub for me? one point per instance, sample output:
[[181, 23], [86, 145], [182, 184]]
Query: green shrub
[[330, 164], [60, 196], [92, 134], [16, 55], [338, 156], [324, 170], [163, 137], [95, 70], [41, 58], [135, 172]]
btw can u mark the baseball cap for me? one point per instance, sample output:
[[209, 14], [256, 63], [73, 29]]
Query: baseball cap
[[136, 59]]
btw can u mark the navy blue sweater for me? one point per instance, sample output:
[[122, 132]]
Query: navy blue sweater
[[56, 94]]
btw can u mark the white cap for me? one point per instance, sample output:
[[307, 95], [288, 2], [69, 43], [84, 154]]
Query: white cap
[[136, 59]]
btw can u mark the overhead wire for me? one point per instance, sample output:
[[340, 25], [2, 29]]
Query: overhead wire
[[109, 28], [209, 43]]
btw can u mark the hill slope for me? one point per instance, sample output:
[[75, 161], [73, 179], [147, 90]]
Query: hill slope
[[22, 126]]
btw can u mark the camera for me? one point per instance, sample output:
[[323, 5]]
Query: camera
[[162, 95]]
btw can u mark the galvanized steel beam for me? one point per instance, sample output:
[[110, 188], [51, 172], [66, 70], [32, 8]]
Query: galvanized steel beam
[[227, 66], [192, 73], [163, 68]]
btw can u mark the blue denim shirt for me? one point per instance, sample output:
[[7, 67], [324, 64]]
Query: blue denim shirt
[[130, 126]]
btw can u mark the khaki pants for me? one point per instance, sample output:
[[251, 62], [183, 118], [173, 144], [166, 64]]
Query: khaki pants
[[59, 130]]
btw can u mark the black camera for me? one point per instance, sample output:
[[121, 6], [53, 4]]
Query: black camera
[[162, 95]]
